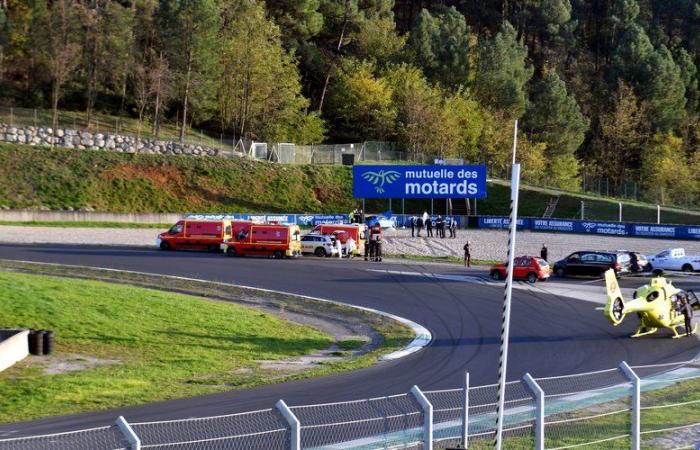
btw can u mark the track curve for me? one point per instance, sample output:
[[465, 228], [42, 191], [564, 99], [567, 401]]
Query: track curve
[[550, 335]]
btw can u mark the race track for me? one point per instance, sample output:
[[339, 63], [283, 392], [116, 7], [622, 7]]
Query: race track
[[550, 334]]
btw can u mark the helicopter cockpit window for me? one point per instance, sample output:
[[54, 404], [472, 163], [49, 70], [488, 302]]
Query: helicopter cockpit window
[[653, 296]]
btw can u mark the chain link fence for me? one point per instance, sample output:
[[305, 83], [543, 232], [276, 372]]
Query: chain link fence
[[653, 406]]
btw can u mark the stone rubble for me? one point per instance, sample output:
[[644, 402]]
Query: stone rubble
[[84, 140]]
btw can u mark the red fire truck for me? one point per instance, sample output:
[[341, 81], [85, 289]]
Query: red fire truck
[[271, 240], [355, 231], [200, 234]]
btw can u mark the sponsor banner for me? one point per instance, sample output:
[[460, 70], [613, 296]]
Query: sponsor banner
[[502, 222], [656, 230], [437, 181], [608, 228], [319, 219], [692, 232]]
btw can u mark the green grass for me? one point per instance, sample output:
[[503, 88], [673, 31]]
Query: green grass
[[167, 345], [69, 224], [59, 179]]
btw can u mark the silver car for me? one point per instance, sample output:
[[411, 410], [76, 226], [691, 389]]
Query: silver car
[[318, 244]]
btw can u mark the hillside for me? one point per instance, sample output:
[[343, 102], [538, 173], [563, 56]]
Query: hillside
[[32, 177]]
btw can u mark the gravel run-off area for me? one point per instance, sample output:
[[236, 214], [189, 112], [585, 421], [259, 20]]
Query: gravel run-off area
[[485, 244]]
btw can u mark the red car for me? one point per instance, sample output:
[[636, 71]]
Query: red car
[[530, 268]]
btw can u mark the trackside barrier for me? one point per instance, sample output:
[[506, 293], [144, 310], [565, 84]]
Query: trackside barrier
[[632, 407], [590, 227]]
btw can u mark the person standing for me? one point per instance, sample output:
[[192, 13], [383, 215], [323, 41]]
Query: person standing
[[467, 255], [544, 252], [413, 226], [350, 247], [687, 312], [440, 225], [419, 225], [453, 227], [429, 227]]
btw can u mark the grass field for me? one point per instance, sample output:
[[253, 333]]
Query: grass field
[[59, 179], [147, 345]]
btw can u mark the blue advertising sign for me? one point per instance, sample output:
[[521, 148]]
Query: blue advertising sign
[[419, 181], [692, 232], [320, 219], [655, 230], [501, 222]]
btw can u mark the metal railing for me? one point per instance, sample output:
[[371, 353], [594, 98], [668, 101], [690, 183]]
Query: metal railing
[[625, 407]]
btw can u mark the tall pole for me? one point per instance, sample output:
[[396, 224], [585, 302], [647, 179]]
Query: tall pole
[[505, 325]]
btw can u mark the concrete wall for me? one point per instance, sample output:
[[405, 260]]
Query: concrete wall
[[86, 216], [14, 346]]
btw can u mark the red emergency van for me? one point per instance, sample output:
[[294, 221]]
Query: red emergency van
[[200, 234], [274, 240], [356, 231]]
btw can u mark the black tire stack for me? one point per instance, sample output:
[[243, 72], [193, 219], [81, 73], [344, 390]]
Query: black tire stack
[[41, 342]]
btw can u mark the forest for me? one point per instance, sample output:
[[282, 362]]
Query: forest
[[605, 88]]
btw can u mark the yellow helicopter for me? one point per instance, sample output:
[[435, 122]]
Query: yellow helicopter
[[655, 304]]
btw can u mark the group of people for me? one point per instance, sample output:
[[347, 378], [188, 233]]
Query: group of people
[[440, 224], [357, 216]]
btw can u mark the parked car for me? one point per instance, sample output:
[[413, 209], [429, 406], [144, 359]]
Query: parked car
[[674, 259], [200, 234], [530, 268], [318, 244], [593, 263], [384, 221], [356, 231]]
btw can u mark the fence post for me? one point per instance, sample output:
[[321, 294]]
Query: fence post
[[583, 206], [658, 213], [620, 214], [465, 413], [128, 432], [636, 403], [11, 114], [539, 410], [428, 417], [295, 439]]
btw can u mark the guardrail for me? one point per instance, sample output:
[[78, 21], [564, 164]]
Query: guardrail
[[623, 407]]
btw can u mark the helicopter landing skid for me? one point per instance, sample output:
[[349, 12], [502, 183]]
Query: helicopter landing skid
[[644, 331], [676, 335]]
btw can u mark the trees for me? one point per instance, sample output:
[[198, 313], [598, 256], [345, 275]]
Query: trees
[[259, 92], [188, 35], [502, 72], [58, 37], [554, 117], [621, 137], [361, 106], [440, 43]]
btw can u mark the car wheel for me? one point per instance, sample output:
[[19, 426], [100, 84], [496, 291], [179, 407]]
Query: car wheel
[[687, 268], [231, 252], [320, 252], [531, 277], [495, 274], [560, 272], [657, 272], [165, 246], [277, 254]]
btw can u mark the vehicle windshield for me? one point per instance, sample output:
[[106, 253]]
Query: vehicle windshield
[[542, 262], [663, 254], [175, 229]]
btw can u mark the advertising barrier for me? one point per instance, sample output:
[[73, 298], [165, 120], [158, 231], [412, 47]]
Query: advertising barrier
[[592, 227]]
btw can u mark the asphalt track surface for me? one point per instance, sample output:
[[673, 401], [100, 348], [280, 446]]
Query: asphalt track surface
[[550, 335]]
